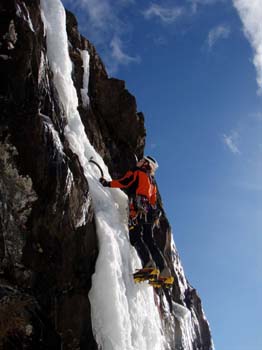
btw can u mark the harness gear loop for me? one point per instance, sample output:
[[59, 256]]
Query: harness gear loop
[[138, 209]]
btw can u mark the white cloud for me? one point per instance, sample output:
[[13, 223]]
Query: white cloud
[[99, 13], [250, 12], [166, 14], [119, 56], [231, 141], [196, 3], [217, 33], [101, 21]]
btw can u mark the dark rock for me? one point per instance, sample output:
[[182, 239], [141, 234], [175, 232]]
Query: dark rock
[[43, 188]]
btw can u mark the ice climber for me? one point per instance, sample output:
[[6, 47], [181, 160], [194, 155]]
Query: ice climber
[[140, 186]]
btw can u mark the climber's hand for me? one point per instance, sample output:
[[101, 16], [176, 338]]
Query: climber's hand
[[104, 182]]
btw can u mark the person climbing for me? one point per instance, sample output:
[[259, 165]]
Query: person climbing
[[140, 186]]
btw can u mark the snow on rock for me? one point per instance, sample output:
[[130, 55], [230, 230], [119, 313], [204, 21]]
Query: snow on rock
[[41, 71], [5, 57], [124, 315], [49, 128], [179, 269], [25, 16]]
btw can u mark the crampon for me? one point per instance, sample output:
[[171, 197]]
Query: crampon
[[146, 274], [162, 282]]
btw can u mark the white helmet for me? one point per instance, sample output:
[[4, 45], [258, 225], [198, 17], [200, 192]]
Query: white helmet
[[152, 162]]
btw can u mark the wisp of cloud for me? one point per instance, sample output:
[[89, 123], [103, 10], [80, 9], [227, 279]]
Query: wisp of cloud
[[250, 12], [231, 142], [219, 32], [166, 14]]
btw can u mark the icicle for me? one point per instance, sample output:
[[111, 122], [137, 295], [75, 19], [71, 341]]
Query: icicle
[[84, 91]]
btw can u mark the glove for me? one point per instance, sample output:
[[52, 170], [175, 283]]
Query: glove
[[104, 182]]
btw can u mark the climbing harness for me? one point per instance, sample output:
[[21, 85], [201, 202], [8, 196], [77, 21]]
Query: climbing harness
[[138, 210]]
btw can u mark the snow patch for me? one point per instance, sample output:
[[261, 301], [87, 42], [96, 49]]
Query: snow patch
[[28, 19], [69, 181], [81, 221], [49, 127]]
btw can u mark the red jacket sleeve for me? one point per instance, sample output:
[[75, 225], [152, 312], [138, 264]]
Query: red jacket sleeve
[[125, 181]]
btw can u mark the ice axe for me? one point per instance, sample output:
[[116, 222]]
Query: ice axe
[[91, 160]]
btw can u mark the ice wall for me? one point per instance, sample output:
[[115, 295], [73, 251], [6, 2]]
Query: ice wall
[[124, 315]]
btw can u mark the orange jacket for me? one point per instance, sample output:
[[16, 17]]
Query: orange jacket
[[137, 182]]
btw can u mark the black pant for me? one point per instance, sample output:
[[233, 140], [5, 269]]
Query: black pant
[[141, 237]]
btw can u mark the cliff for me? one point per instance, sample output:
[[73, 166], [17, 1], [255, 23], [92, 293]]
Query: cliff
[[49, 211]]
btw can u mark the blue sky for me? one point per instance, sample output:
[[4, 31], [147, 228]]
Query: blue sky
[[195, 68]]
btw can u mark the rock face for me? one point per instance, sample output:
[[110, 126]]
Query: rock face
[[46, 257]]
